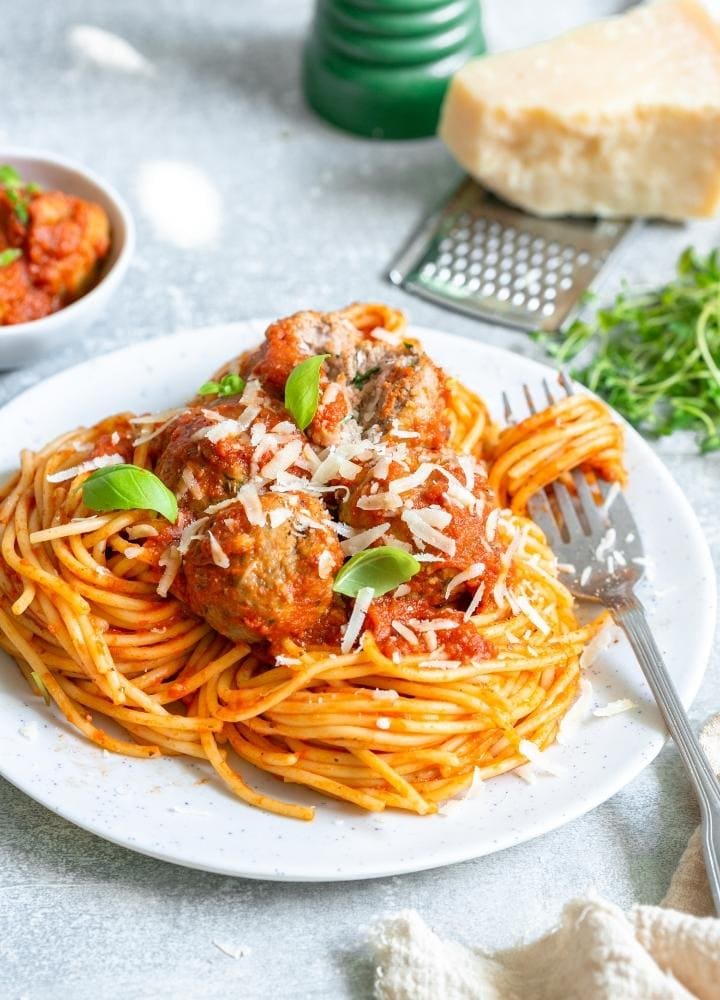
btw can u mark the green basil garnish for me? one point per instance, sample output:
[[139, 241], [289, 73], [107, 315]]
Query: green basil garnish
[[128, 487], [229, 385], [13, 183], [382, 569], [302, 390], [9, 255]]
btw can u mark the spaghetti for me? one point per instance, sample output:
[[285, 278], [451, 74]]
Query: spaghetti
[[408, 725]]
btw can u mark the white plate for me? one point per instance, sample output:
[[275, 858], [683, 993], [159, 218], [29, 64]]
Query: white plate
[[178, 811]]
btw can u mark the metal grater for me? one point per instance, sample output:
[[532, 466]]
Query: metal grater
[[480, 256]]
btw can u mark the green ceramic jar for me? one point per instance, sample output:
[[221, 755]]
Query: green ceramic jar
[[381, 67]]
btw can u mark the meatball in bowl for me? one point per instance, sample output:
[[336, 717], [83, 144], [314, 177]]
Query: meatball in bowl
[[66, 239]]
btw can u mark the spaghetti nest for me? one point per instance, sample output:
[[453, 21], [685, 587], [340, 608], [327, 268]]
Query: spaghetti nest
[[81, 614]]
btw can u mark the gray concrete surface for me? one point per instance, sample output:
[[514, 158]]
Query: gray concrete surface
[[310, 217]]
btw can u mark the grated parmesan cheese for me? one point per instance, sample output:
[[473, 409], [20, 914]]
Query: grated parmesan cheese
[[136, 531], [357, 618], [283, 460], [101, 462], [380, 333], [538, 759], [405, 632], [191, 483], [601, 641], [474, 790], [278, 516], [473, 605], [250, 499], [614, 708], [471, 573], [218, 554], [380, 501], [432, 625], [190, 533], [420, 528], [363, 539], [491, 524], [325, 564], [607, 542], [170, 559], [383, 722], [532, 614]]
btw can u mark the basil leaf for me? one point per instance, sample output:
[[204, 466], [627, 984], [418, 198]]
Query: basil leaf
[[302, 390], [9, 177], [19, 206], [229, 385], [383, 569], [128, 487], [9, 255]]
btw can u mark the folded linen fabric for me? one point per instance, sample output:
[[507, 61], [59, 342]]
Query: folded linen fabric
[[598, 952]]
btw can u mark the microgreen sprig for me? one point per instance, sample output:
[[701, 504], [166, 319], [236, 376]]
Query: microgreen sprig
[[656, 354]]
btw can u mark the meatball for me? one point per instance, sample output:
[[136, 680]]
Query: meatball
[[451, 527], [201, 470], [264, 581], [20, 301], [296, 338], [67, 238], [406, 396], [373, 380]]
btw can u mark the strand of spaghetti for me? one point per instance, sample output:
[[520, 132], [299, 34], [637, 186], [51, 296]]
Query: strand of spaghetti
[[164, 721], [179, 689], [233, 780], [258, 755], [276, 696], [64, 703], [377, 763]]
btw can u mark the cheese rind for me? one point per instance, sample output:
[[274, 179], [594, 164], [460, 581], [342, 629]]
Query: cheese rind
[[618, 118]]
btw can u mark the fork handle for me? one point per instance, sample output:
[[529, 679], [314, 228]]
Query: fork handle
[[630, 615]]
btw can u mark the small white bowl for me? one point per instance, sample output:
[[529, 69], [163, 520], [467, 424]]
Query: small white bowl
[[23, 343]]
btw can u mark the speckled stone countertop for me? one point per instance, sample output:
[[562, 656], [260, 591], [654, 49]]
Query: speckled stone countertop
[[310, 217]]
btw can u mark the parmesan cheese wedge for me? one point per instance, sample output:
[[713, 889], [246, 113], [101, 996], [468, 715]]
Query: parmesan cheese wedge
[[620, 117]]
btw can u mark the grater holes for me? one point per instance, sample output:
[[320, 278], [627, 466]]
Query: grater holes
[[533, 303], [565, 284], [503, 294]]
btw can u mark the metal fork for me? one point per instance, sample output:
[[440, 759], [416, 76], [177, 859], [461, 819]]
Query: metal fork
[[601, 547]]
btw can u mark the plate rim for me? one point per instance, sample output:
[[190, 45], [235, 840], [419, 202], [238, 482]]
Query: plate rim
[[450, 854]]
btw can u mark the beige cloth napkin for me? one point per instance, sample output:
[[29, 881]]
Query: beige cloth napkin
[[598, 952]]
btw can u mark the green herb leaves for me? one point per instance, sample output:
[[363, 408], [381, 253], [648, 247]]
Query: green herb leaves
[[128, 487], [383, 569], [362, 377], [657, 354], [8, 256], [302, 390], [16, 189], [229, 385]]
